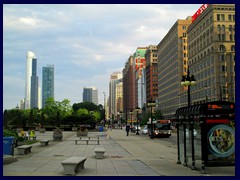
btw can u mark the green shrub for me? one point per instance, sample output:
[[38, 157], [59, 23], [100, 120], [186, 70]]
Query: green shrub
[[8, 133]]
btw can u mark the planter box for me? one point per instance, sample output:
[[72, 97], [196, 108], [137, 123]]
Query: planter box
[[42, 130], [79, 133]]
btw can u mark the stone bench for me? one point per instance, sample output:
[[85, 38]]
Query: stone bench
[[87, 140], [44, 142], [99, 153], [33, 137], [73, 164], [24, 149]]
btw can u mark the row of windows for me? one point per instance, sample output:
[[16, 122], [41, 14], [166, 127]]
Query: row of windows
[[221, 17]]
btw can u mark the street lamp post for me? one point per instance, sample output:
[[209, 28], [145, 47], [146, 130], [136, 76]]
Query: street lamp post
[[189, 81], [137, 109], [121, 118], [131, 120], [104, 116], [151, 104]]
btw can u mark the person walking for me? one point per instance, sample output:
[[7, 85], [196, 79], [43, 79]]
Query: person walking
[[128, 129]]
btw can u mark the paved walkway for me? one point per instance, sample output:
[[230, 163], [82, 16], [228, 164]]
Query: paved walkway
[[125, 156]]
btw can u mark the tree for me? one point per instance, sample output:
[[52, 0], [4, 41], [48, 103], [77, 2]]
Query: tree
[[31, 119], [42, 120], [158, 114], [5, 119], [52, 107]]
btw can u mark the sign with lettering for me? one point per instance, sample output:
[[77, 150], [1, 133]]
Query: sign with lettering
[[199, 11]]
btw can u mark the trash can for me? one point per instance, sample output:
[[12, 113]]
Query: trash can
[[8, 145], [101, 128]]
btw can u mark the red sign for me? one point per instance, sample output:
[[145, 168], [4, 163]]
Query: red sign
[[199, 11], [222, 121]]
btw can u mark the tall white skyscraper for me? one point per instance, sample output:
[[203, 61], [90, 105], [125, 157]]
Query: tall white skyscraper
[[115, 94], [28, 74]]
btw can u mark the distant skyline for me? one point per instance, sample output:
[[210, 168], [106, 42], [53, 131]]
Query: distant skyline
[[86, 43]]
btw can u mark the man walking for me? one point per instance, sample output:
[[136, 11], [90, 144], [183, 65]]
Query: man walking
[[127, 129]]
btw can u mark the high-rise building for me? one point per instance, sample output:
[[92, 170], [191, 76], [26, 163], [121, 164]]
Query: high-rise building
[[34, 85], [211, 54], [128, 88], [47, 83], [28, 73], [172, 64], [114, 94], [151, 73], [90, 94], [139, 64]]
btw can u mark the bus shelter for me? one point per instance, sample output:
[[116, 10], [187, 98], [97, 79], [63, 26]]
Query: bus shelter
[[206, 134]]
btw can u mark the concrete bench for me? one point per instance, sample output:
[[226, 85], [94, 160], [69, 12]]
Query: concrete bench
[[44, 142], [33, 137], [24, 149], [99, 153], [73, 164], [87, 140]]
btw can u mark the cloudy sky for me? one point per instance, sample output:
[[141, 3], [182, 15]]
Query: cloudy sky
[[85, 42]]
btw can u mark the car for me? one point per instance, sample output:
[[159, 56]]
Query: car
[[135, 129], [145, 130]]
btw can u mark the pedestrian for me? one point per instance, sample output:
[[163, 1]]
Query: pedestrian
[[127, 129]]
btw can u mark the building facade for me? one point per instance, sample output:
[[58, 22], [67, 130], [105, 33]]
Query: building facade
[[139, 64], [28, 73], [114, 94], [47, 83], [151, 73], [172, 64], [34, 85], [128, 88], [211, 43], [90, 94]]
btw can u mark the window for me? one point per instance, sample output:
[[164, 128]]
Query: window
[[222, 48], [234, 17], [222, 57], [184, 27], [230, 17], [218, 17], [223, 68], [222, 17], [223, 37], [184, 34], [223, 29], [230, 27]]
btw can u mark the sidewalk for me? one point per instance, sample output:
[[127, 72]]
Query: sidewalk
[[125, 156]]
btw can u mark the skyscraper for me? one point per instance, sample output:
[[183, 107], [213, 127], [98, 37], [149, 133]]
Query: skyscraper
[[47, 83], [34, 85], [28, 73], [114, 94], [90, 95]]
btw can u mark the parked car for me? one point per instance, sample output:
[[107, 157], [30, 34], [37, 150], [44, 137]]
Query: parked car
[[135, 129], [145, 130]]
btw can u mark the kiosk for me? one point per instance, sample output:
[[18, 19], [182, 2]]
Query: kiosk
[[206, 134]]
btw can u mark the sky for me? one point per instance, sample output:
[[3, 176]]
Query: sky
[[85, 42]]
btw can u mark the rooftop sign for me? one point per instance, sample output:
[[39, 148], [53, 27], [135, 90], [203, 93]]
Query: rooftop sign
[[199, 11]]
